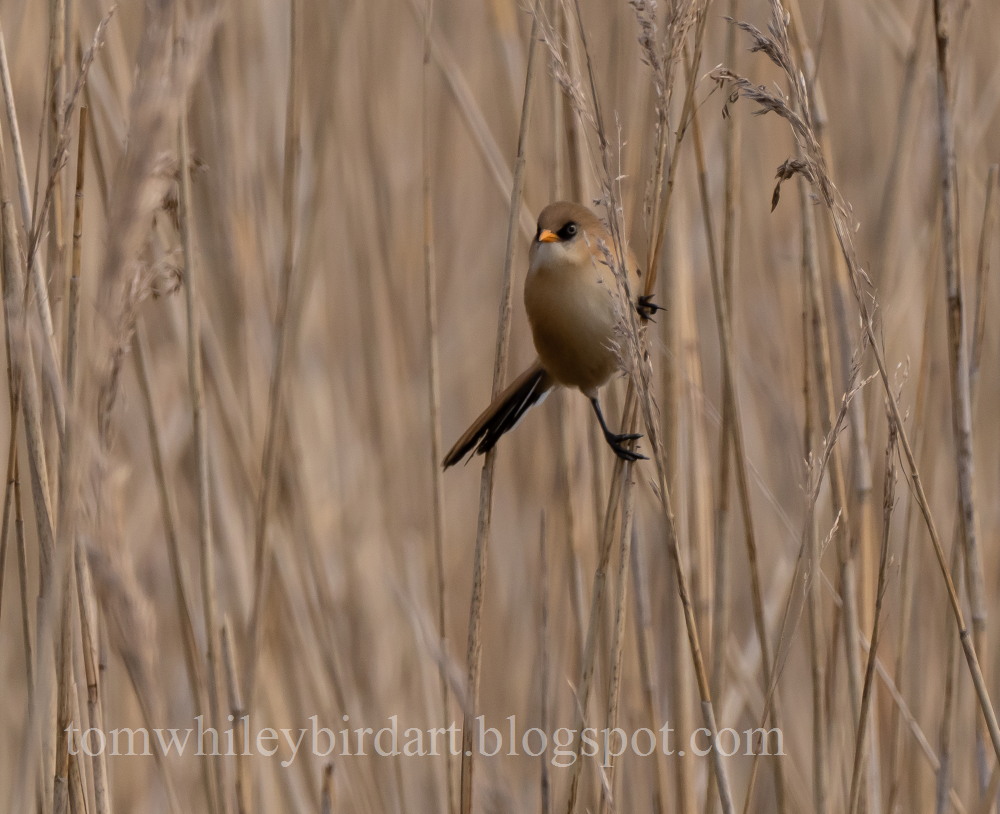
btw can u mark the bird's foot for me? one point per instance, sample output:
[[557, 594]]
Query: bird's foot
[[646, 307], [616, 441]]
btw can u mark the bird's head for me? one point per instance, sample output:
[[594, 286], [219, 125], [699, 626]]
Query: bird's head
[[568, 235]]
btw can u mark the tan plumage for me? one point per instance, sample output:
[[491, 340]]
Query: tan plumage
[[571, 298]]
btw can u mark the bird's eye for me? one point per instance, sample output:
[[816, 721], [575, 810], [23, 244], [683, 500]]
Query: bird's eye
[[568, 231]]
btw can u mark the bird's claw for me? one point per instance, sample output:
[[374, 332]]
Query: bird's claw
[[646, 307], [615, 442]]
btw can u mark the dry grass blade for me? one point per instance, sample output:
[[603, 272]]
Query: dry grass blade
[[734, 426], [888, 503], [626, 535], [474, 646], [434, 392], [473, 116], [213, 657], [9, 490], [543, 658], [132, 633], [91, 662], [64, 116], [239, 717], [192, 657], [327, 795], [776, 49], [986, 236], [22, 371], [598, 607], [635, 361], [21, 381], [730, 230], [240, 517], [67, 769], [958, 336], [38, 284], [992, 787], [649, 679], [273, 427]]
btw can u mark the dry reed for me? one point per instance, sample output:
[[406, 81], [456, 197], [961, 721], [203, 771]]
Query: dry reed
[[240, 522]]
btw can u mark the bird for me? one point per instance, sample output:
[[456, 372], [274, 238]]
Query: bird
[[574, 308]]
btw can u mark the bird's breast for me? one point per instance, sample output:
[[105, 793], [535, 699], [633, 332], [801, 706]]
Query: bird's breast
[[573, 317]]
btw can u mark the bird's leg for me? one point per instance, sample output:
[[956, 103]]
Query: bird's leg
[[614, 439], [646, 307]]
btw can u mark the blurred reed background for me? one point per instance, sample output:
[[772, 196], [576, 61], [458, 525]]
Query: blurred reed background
[[223, 495]]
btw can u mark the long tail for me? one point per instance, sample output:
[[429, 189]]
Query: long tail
[[503, 414]]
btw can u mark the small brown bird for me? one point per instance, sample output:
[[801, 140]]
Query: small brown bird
[[573, 306]]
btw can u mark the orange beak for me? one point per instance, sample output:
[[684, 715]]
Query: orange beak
[[546, 236]]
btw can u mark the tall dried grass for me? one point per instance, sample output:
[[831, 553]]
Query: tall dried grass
[[252, 257]]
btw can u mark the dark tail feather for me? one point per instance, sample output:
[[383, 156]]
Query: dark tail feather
[[502, 415]]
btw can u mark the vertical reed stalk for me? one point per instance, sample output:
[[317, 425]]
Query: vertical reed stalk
[[625, 534], [474, 649], [861, 285], [861, 739], [196, 387], [434, 394], [958, 338], [262, 552]]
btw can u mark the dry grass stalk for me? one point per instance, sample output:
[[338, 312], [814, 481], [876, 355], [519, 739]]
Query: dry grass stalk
[[353, 618], [888, 504], [663, 58], [545, 780], [272, 428], [67, 766], [39, 286], [626, 534], [437, 578], [814, 169], [649, 677], [131, 631], [907, 580], [958, 338], [475, 121], [21, 380], [238, 712], [986, 235], [730, 233], [9, 490], [634, 358], [635, 362], [474, 646], [213, 656], [734, 425], [830, 325], [326, 794], [192, 656], [91, 663], [811, 327], [597, 609]]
